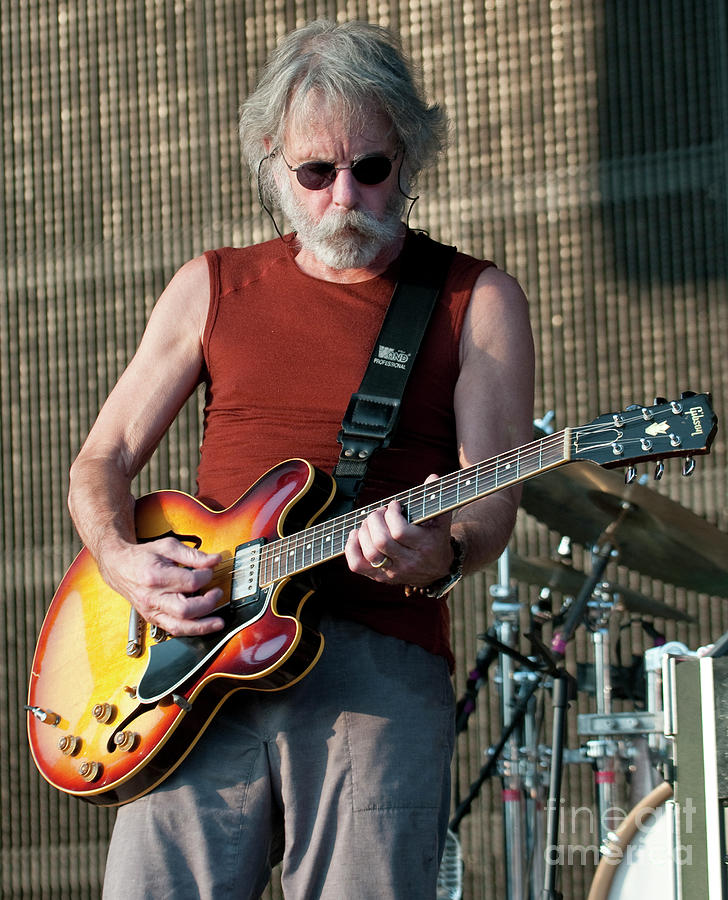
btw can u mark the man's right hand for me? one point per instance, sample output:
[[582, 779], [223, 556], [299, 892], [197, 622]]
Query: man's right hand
[[170, 584]]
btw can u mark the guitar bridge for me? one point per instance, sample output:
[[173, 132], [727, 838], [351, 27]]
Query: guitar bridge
[[245, 579]]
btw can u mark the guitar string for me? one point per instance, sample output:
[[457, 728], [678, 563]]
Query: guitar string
[[339, 527], [449, 487], [345, 523]]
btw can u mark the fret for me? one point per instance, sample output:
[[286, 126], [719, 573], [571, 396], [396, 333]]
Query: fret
[[264, 566], [421, 507], [457, 498], [291, 557], [272, 569], [430, 501], [325, 544], [300, 556], [450, 493], [407, 505], [507, 468], [486, 482], [468, 485]]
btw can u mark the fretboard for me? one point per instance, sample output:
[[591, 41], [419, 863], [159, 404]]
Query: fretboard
[[325, 541]]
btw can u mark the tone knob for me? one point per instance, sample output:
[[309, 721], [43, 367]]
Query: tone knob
[[69, 744], [89, 771]]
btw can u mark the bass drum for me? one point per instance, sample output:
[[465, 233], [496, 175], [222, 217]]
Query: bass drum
[[640, 862]]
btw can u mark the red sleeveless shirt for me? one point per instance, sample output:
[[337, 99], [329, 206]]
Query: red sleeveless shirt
[[283, 353]]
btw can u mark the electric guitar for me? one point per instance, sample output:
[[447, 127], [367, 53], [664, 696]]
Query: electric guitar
[[114, 705]]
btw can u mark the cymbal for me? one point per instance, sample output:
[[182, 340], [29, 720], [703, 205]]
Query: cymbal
[[655, 535], [561, 577]]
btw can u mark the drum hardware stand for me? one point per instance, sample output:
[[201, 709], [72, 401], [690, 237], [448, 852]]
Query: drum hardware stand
[[602, 552], [563, 690], [535, 785], [506, 611], [607, 726], [562, 687], [520, 776], [603, 752], [522, 845], [658, 685]]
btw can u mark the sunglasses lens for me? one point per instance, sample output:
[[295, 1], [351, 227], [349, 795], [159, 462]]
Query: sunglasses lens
[[315, 176], [372, 169]]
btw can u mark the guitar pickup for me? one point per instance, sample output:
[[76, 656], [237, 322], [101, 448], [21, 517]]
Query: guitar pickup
[[245, 582]]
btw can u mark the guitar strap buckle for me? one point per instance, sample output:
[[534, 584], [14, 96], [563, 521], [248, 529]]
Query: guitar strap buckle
[[368, 423]]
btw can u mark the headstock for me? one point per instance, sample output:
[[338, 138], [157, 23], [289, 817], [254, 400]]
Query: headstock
[[683, 428]]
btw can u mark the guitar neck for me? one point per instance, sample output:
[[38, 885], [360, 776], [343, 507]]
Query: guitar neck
[[326, 541]]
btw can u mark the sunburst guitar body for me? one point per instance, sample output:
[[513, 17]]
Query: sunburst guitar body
[[117, 706]]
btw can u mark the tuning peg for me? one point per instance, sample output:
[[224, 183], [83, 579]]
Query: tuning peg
[[688, 466], [659, 469], [659, 400], [630, 474]]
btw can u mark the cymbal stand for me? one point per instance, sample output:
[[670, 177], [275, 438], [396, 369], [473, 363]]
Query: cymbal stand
[[506, 612]]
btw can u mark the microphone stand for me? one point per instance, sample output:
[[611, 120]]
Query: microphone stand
[[466, 705], [601, 554], [577, 610], [560, 693], [519, 712], [563, 689]]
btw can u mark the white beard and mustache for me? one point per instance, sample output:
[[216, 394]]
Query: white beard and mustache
[[347, 239]]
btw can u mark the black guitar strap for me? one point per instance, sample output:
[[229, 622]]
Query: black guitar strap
[[373, 410]]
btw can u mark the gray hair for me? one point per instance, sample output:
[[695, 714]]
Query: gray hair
[[352, 67]]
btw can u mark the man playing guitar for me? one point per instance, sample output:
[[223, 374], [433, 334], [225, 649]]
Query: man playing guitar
[[343, 775]]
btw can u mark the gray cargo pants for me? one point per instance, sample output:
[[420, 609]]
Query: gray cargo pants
[[346, 775]]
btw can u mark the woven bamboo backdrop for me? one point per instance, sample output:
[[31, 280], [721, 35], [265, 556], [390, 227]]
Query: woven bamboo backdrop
[[589, 158]]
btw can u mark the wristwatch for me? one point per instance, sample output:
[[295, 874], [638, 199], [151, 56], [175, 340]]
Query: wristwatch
[[445, 584]]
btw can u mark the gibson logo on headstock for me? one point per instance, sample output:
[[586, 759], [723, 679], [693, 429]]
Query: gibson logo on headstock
[[657, 428], [696, 414]]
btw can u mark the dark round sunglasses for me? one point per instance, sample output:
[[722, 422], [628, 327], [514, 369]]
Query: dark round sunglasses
[[315, 175]]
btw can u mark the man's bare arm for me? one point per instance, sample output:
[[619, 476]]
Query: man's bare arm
[[165, 580], [494, 412], [493, 406]]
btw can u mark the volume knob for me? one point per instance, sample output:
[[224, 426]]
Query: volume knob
[[125, 740], [103, 712]]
